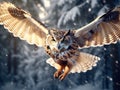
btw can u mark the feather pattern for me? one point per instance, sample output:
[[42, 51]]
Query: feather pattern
[[105, 30], [83, 63], [22, 25]]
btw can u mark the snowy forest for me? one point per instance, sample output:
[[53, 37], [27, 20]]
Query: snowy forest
[[23, 66]]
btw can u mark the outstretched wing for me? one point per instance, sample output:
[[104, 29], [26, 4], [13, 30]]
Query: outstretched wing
[[102, 31], [21, 24]]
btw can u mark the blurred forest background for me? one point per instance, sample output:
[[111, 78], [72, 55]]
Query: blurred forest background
[[23, 66]]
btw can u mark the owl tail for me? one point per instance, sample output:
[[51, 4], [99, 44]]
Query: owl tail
[[83, 63]]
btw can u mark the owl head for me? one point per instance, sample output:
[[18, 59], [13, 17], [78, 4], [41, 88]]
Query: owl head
[[61, 39]]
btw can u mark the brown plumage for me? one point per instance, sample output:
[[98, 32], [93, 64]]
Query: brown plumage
[[63, 46]]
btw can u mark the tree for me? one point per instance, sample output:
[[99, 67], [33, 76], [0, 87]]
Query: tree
[[26, 64]]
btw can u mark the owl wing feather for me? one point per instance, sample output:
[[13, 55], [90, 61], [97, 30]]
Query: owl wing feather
[[103, 30], [84, 62], [81, 63], [22, 25]]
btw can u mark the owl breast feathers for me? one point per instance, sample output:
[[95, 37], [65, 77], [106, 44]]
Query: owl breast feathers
[[63, 45]]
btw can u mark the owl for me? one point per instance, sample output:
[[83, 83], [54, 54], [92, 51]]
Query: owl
[[63, 46]]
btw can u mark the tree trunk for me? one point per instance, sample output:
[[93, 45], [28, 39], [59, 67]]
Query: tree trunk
[[116, 66], [15, 59], [9, 64]]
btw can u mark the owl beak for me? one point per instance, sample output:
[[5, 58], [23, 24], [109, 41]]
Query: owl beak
[[58, 46]]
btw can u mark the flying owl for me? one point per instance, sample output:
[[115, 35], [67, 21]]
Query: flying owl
[[63, 46]]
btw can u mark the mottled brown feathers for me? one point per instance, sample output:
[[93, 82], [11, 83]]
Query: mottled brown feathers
[[17, 13]]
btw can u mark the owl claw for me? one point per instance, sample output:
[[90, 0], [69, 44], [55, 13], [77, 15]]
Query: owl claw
[[59, 71], [57, 74], [62, 72], [66, 71], [62, 76]]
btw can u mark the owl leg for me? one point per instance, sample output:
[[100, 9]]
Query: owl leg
[[61, 67], [59, 71], [64, 74], [66, 71]]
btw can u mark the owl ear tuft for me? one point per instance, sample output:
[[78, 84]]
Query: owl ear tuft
[[67, 33]]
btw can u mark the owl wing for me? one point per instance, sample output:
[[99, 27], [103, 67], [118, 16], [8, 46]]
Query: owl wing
[[21, 24], [103, 30]]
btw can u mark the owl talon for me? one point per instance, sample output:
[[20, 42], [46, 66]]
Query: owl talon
[[57, 74], [62, 76], [59, 71], [66, 71]]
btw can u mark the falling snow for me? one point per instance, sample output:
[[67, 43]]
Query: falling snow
[[23, 66]]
